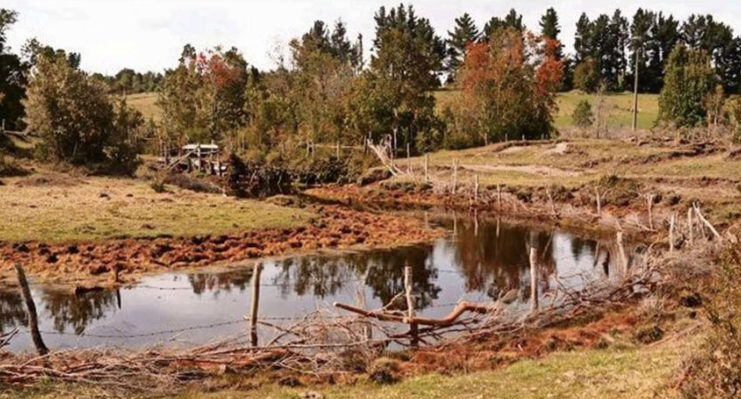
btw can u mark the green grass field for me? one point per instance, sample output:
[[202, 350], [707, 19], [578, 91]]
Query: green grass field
[[619, 105], [146, 104], [61, 208]]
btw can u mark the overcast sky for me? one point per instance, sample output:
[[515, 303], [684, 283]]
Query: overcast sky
[[149, 35]]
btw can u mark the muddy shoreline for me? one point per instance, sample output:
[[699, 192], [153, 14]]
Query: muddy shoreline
[[121, 260]]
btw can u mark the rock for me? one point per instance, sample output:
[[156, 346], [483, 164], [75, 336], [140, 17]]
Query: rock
[[373, 175], [311, 395]]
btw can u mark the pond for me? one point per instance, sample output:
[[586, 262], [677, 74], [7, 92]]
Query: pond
[[481, 260]]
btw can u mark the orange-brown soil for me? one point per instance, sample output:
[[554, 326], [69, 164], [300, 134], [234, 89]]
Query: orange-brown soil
[[335, 227]]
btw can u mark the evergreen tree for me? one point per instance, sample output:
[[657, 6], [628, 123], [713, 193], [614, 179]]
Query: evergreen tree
[[13, 81], [511, 20], [715, 38], [583, 39], [550, 28], [641, 40], [464, 33], [689, 79], [395, 94]]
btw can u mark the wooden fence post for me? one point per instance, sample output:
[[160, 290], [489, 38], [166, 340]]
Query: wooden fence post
[[690, 227], [671, 234], [476, 188], [427, 168], [599, 201], [413, 328], [33, 321], [621, 252], [257, 269], [533, 279], [499, 198], [455, 175]]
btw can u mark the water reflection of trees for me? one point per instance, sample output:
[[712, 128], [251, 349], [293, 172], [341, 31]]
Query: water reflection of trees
[[12, 309], [78, 311], [382, 271], [216, 282], [64, 308]]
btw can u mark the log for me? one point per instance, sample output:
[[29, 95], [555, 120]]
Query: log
[[446, 321], [33, 321]]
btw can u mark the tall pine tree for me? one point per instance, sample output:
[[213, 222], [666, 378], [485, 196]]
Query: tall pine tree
[[464, 33]]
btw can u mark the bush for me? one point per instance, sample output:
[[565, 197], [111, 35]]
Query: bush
[[158, 185], [586, 77], [583, 116], [77, 122], [716, 371], [257, 179]]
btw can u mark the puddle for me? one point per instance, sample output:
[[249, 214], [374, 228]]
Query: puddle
[[480, 261]]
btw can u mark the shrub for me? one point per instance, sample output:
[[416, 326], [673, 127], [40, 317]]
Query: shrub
[[583, 116], [715, 371], [76, 120], [158, 185], [586, 77]]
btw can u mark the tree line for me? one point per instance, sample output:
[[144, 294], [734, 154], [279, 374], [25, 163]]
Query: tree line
[[505, 78]]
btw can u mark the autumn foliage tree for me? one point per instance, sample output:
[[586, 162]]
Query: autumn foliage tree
[[202, 99], [508, 87]]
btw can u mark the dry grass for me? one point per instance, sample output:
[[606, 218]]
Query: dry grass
[[59, 208], [586, 161]]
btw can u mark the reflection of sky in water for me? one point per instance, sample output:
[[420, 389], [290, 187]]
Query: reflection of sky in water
[[477, 264]]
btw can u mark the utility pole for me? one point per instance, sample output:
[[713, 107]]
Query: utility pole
[[635, 90]]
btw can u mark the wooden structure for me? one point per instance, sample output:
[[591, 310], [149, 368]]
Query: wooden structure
[[204, 158]]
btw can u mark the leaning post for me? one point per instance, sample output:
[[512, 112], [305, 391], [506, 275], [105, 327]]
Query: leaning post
[[33, 321]]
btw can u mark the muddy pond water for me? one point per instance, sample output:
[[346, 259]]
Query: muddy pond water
[[481, 260]]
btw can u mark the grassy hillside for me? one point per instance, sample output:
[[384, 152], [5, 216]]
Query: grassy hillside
[[146, 104], [619, 104]]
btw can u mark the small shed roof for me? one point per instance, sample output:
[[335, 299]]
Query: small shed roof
[[192, 147]]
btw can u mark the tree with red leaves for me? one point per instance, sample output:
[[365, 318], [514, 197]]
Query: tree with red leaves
[[202, 99], [508, 87]]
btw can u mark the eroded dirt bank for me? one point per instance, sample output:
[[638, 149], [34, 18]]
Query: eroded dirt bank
[[335, 227]]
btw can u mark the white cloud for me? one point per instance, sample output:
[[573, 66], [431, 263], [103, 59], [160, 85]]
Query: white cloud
[[149, 35]]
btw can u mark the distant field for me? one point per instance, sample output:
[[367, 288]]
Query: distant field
[[145, 103], [620, 115]]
